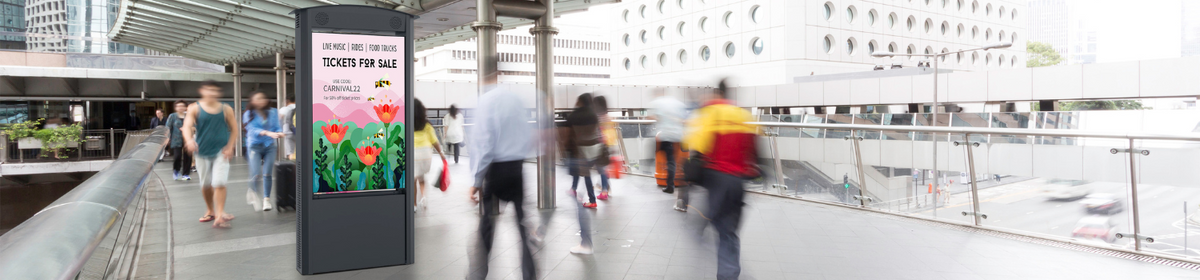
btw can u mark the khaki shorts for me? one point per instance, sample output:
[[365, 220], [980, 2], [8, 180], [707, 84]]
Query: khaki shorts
[[214, 171]]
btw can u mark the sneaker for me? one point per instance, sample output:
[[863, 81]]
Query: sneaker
[[250, 198], [176, 175], [581, 250], [590, 205], [602, 196], [680, 209], [266, 206], [186, 178]]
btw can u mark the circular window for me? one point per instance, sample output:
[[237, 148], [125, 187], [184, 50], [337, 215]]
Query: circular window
[[850, 46], [928, 25], [1000, 61], [974, 57], [892, 20], [1013, 38], [850, 11], [870, 47], [626, 39], [728, 19], [645, 62], [911, 21], [987, 35], [871, 17], [662, 59], [660, 32], [974, 32], [959, 5], [680, 3], [944, 50], [960, 30], [911, 50], [828, 44], [1000, 36], [1013, 14], [625, 15], [1014, 61], [892, 47], [660, 5], [958, 58], [944, 4], [974, 6], [680, 27], [987, 60], [1001, 12], [987, 11], [756, 46], [642, 11], [945, 27], [682, 57], [705, 53], [828, 11], [754, 14], [928, 50], [703, 24], [643, 36], [628, 64], [730, 49]]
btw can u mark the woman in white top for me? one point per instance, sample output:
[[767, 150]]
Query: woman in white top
[[454, 130]]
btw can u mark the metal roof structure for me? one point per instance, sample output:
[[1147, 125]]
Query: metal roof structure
[[239, 31]]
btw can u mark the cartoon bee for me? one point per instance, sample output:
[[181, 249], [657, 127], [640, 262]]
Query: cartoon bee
[[383, 82], [379, 134], [370, 98]]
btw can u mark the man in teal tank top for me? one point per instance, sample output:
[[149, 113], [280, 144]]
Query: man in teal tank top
[[209, 132]]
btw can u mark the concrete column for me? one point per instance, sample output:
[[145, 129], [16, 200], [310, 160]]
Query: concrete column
[[237, 106], [486, 28], [280, 94], [543, 32]]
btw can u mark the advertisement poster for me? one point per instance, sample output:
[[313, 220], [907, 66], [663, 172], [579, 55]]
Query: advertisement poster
[[358, 113]]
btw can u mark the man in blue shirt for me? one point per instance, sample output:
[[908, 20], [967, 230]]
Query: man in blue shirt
[[500, 142]]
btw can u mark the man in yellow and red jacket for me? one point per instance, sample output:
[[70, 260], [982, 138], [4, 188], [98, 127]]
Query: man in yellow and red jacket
[[721, 134]]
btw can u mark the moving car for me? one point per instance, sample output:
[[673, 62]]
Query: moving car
[[1095, 227], [1103, 203], [1066, 190]]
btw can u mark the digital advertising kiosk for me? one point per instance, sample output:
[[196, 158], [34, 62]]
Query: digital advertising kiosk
[[353, 84]]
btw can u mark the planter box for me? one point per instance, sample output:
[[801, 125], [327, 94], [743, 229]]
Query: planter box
[[29, 143]]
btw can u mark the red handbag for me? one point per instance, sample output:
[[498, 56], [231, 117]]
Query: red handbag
[[444, 180]]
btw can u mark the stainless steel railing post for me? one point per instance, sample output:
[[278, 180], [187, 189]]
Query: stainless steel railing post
[[1137, 229], [862, 180], [112, 143], [974, 183]]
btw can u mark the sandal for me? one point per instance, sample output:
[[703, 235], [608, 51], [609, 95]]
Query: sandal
[[207, 218], [228, 217], [221, 224]]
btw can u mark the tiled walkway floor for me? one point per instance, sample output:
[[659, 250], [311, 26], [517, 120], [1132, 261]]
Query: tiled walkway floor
[[638, 236]]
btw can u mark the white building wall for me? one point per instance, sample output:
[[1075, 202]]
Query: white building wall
[[793, 33]]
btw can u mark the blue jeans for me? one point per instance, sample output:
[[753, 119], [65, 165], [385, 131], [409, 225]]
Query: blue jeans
[[262, 160], [603, 176], [578, 166]]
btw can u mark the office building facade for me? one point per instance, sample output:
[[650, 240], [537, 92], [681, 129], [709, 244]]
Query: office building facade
[[766, 42]]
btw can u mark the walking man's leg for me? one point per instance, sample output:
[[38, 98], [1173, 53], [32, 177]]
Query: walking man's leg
[[220, 177], [725, 198], [487, 230]]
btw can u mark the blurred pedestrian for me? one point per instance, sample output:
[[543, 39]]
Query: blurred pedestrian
[[723, 139], [581, 135], [133, 122], [286, 117], [669, 114], [500, 142], [425, 142], [454, 130], [157, 120], [210, 131], [262, 128], [608, 136], [182, 164]]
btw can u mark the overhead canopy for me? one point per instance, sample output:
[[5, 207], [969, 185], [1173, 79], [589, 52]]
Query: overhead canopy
[[236, 31]]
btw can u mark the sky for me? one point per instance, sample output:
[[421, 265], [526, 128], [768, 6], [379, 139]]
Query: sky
[[1134, 30]]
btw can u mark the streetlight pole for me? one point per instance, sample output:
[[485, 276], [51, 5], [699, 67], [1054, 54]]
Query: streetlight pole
[[935, 57]]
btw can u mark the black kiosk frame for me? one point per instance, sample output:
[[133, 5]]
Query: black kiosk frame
[[338, 231]]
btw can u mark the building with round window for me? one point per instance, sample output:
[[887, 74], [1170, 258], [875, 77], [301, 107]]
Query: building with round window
[[770, 42]]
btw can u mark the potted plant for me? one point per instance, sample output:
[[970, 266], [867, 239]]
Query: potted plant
[[51, 139]]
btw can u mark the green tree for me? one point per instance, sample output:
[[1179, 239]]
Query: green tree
[[1100, 105], [1041, 54]]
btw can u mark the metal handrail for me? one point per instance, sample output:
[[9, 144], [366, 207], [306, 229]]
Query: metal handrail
[[975, 130], [58, 241]]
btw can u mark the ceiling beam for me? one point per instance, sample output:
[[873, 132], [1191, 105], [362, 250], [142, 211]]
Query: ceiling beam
[[17, 85]]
